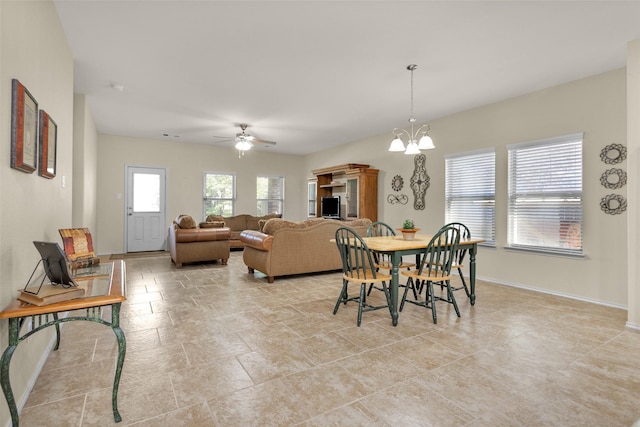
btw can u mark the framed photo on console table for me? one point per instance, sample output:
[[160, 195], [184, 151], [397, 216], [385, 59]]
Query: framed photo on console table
[[24, 128], [48, 146]]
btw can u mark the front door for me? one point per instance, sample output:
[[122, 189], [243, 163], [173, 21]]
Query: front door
[[146, 209]]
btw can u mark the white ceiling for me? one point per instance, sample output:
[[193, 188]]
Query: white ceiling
[[315, 74]]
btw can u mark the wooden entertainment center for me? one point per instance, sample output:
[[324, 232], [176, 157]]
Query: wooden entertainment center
[[357, 186]]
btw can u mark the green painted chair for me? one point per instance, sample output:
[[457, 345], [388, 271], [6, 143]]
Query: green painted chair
[[358, 266], [461, 253], [383, 261], [435, 267]]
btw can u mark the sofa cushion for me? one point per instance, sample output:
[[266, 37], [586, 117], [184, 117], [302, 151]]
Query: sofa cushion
[[202, 235], [273, 225], [212, 224], [185, 221], [253, 222]]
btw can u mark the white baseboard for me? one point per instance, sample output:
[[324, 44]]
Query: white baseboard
[[546, 291]]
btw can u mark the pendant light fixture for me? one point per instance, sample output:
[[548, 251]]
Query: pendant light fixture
[[413, 145]]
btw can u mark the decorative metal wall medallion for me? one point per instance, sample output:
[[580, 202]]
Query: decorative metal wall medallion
[[419, 181], [613, 154], [397, 183], [613, 204], [400, 198], [613, 179]]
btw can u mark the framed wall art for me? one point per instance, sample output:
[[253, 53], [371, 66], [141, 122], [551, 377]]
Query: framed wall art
[[24, 128], [48, 146]]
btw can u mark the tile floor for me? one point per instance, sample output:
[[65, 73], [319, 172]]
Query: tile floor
[[211, 345]]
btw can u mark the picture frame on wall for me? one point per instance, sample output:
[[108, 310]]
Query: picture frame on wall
[[24, 128], [48, 146]]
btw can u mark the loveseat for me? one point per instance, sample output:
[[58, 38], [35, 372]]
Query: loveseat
[[237, 224], [190, 243], [284, 247]]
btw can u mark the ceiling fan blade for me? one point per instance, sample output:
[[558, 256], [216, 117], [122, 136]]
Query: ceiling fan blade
[[262, 141], [222, 139]]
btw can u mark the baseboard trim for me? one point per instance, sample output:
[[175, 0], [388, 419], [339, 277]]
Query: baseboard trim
[[558, 294]]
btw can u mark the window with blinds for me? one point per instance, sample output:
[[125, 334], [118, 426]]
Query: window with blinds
[[218, 194], [270, 194], [470, 192], [545, 195]]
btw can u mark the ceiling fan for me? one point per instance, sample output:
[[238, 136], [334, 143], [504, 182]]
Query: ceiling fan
[[244, 141]]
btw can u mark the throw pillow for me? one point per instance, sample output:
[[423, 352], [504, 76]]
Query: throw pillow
[[185, 221], [77, 243]]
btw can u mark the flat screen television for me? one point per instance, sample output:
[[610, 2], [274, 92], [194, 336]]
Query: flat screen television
[[330, 207]]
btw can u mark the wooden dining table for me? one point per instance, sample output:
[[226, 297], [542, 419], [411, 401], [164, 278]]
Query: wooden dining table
[[396, 247]]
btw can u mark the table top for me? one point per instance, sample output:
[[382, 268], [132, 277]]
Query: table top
[[397, 243], [107, 286]]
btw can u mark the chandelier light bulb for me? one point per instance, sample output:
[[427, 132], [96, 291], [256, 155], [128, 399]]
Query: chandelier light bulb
[[396, 144]]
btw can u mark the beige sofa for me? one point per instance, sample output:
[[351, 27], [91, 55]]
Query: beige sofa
[[285, 247], [190, 243], [237, 224]]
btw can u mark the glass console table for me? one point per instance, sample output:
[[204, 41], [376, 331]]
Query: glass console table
[[105, 286]]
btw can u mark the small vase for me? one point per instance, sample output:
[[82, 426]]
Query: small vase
[[409, 234]]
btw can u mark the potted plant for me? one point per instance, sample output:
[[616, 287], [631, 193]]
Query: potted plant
[[408, 229]]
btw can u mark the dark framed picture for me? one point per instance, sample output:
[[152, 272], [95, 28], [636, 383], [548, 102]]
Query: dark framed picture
[[48, 146], [24, 128]]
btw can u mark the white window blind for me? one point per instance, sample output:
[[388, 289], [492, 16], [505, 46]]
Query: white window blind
[[545, 195], [470, 192]]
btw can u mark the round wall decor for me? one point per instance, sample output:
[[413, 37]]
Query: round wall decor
[[613, 204], [397, 183], [613, 154], [613, 178]]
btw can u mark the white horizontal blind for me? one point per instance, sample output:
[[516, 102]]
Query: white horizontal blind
[[270, 195], [470, 190], [545, 195]]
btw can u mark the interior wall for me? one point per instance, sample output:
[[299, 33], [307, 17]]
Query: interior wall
[[633, 218], [595, 106], [33, 49], [185, 164], [85, 165]]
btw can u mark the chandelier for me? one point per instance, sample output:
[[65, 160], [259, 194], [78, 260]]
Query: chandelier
[[413, 146]]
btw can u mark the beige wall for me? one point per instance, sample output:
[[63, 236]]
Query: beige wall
[[85, 164], [633, 218], [185, 164], [595, 106], [34, 50]]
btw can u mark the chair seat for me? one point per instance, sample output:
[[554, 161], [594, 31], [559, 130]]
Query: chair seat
[[425, 276], [366, 276]]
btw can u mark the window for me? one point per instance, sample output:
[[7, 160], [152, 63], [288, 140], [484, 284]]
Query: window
[[470, 192], [545, 195], [219, 194], [270, 194]]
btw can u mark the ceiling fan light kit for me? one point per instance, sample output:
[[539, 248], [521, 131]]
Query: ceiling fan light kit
[[243, 141], [413, 146]]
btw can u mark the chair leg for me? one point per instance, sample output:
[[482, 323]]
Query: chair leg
[[464, 283], [406, 289], [343, 296], [362, 301], [387, 295], [431, 294], [370, 289], [452, 298]]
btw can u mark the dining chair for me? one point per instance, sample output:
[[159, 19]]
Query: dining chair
[[435, 267], [383, 261], [358, 266], [461, 253]]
